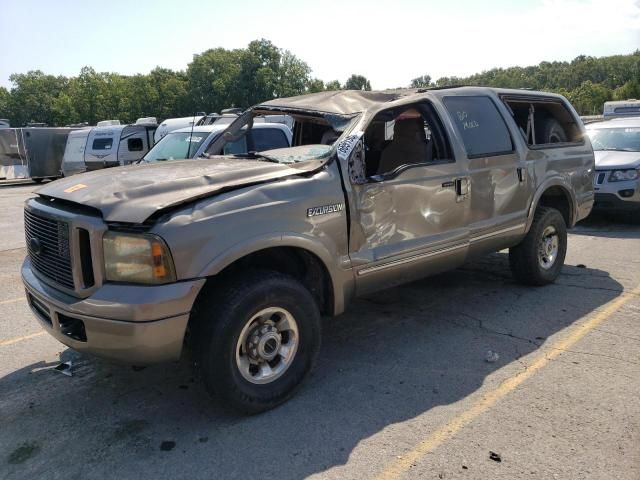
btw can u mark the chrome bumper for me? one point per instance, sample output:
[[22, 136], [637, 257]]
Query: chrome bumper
[[130, 324]]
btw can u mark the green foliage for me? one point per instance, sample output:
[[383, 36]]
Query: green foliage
[[422, 81], [357, 82], [586, 81], [333, 85], [220, 78]]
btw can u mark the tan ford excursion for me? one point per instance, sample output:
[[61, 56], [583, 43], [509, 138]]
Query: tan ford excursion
[[240, 255]]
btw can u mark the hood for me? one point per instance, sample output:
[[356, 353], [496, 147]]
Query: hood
[[609, 160], [133, 193]]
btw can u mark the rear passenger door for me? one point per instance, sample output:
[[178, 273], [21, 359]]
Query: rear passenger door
[[498, 192]]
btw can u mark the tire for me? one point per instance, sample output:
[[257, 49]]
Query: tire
[[531, 266], [222, 319], [549, 130]]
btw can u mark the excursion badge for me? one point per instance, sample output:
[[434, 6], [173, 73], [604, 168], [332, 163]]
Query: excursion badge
[[325, 209]]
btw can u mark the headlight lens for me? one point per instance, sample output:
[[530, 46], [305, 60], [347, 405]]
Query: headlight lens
[[137, 258], [622, 175]]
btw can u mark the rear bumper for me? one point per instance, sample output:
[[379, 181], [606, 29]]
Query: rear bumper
[[130, 324]]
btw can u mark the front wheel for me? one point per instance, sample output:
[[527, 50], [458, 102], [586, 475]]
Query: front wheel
[[539, 258], [257, 340]]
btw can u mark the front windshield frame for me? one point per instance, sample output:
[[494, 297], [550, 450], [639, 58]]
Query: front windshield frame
[[607, 144], [242, 125]]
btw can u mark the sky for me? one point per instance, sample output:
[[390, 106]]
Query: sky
[[389, 42]]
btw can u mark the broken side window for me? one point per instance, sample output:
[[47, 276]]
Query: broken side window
[[401, 137], [543, 122]]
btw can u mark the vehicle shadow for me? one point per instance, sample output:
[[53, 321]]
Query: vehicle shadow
[[608, 226], [394, 356]]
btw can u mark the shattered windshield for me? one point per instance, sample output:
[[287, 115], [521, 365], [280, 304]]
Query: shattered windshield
[[296, 154], [311, 136]]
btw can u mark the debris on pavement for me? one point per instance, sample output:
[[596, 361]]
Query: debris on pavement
[[495, 457], [167, 445], [491, 357], [65, 368]]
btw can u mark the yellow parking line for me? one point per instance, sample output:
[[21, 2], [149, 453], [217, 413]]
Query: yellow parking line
[[402, 464], [11, 341], [13, 300]]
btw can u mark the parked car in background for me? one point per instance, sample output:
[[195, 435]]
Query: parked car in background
[[171, 124], [107, 145], [616, 144], [193, 142], [241, 253], [4, 123]]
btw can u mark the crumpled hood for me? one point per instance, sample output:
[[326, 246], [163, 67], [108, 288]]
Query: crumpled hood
[[133, 193], [609, 160]]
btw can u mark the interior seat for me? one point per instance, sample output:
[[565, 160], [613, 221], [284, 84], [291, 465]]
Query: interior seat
[[409, 145]]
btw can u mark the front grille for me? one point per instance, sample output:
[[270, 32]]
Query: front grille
[[48, 246]]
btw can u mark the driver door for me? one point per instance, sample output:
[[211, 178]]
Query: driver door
[[410, 207]]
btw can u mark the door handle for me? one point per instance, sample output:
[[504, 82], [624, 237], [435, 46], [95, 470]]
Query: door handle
[[462, 186], [522, 176]]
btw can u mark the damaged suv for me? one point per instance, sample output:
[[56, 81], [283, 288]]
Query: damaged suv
[[240, 255]]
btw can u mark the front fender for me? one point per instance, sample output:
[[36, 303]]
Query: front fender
[[341, 276]]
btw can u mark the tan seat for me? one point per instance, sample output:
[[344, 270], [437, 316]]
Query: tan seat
[[409, 145]]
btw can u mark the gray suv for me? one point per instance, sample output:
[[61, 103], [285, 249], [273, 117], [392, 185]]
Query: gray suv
[[240, 255]]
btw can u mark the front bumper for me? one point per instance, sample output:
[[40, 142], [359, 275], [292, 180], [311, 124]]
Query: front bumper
[[617, 196], [131, 324]]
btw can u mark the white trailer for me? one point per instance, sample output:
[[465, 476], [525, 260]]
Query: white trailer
[[107, 146]]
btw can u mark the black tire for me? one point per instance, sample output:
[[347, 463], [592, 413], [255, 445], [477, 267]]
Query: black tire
[[549, 130], [218, 321], [526, 266]]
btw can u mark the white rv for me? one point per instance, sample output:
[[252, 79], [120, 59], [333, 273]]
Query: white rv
[[107, 146], [621, 108]]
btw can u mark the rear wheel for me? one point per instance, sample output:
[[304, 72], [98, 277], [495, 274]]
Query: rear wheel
[[539, 258], [257, 340]]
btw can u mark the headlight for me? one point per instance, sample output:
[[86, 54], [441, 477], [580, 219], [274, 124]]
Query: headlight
[[622, 175], [137, 258]]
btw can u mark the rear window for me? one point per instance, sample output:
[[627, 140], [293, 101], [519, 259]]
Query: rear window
[[268, 139], [480, 125], [102, 143]]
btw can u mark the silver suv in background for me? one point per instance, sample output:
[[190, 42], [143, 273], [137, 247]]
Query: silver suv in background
[[616, 144], [240, 254]]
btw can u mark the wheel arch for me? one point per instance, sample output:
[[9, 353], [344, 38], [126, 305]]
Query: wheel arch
[[299, 256], [555, 193]]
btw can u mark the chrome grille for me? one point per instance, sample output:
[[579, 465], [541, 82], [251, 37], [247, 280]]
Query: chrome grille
[[48, 245]]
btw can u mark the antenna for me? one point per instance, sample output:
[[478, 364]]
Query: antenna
[[193, 122]]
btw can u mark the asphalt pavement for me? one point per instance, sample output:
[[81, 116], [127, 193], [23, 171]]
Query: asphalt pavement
[[403, 388]]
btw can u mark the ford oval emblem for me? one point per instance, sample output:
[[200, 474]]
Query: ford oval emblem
[[35, 245]]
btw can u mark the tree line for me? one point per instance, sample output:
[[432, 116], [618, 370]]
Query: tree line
[[586, 81], [219, 78]]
